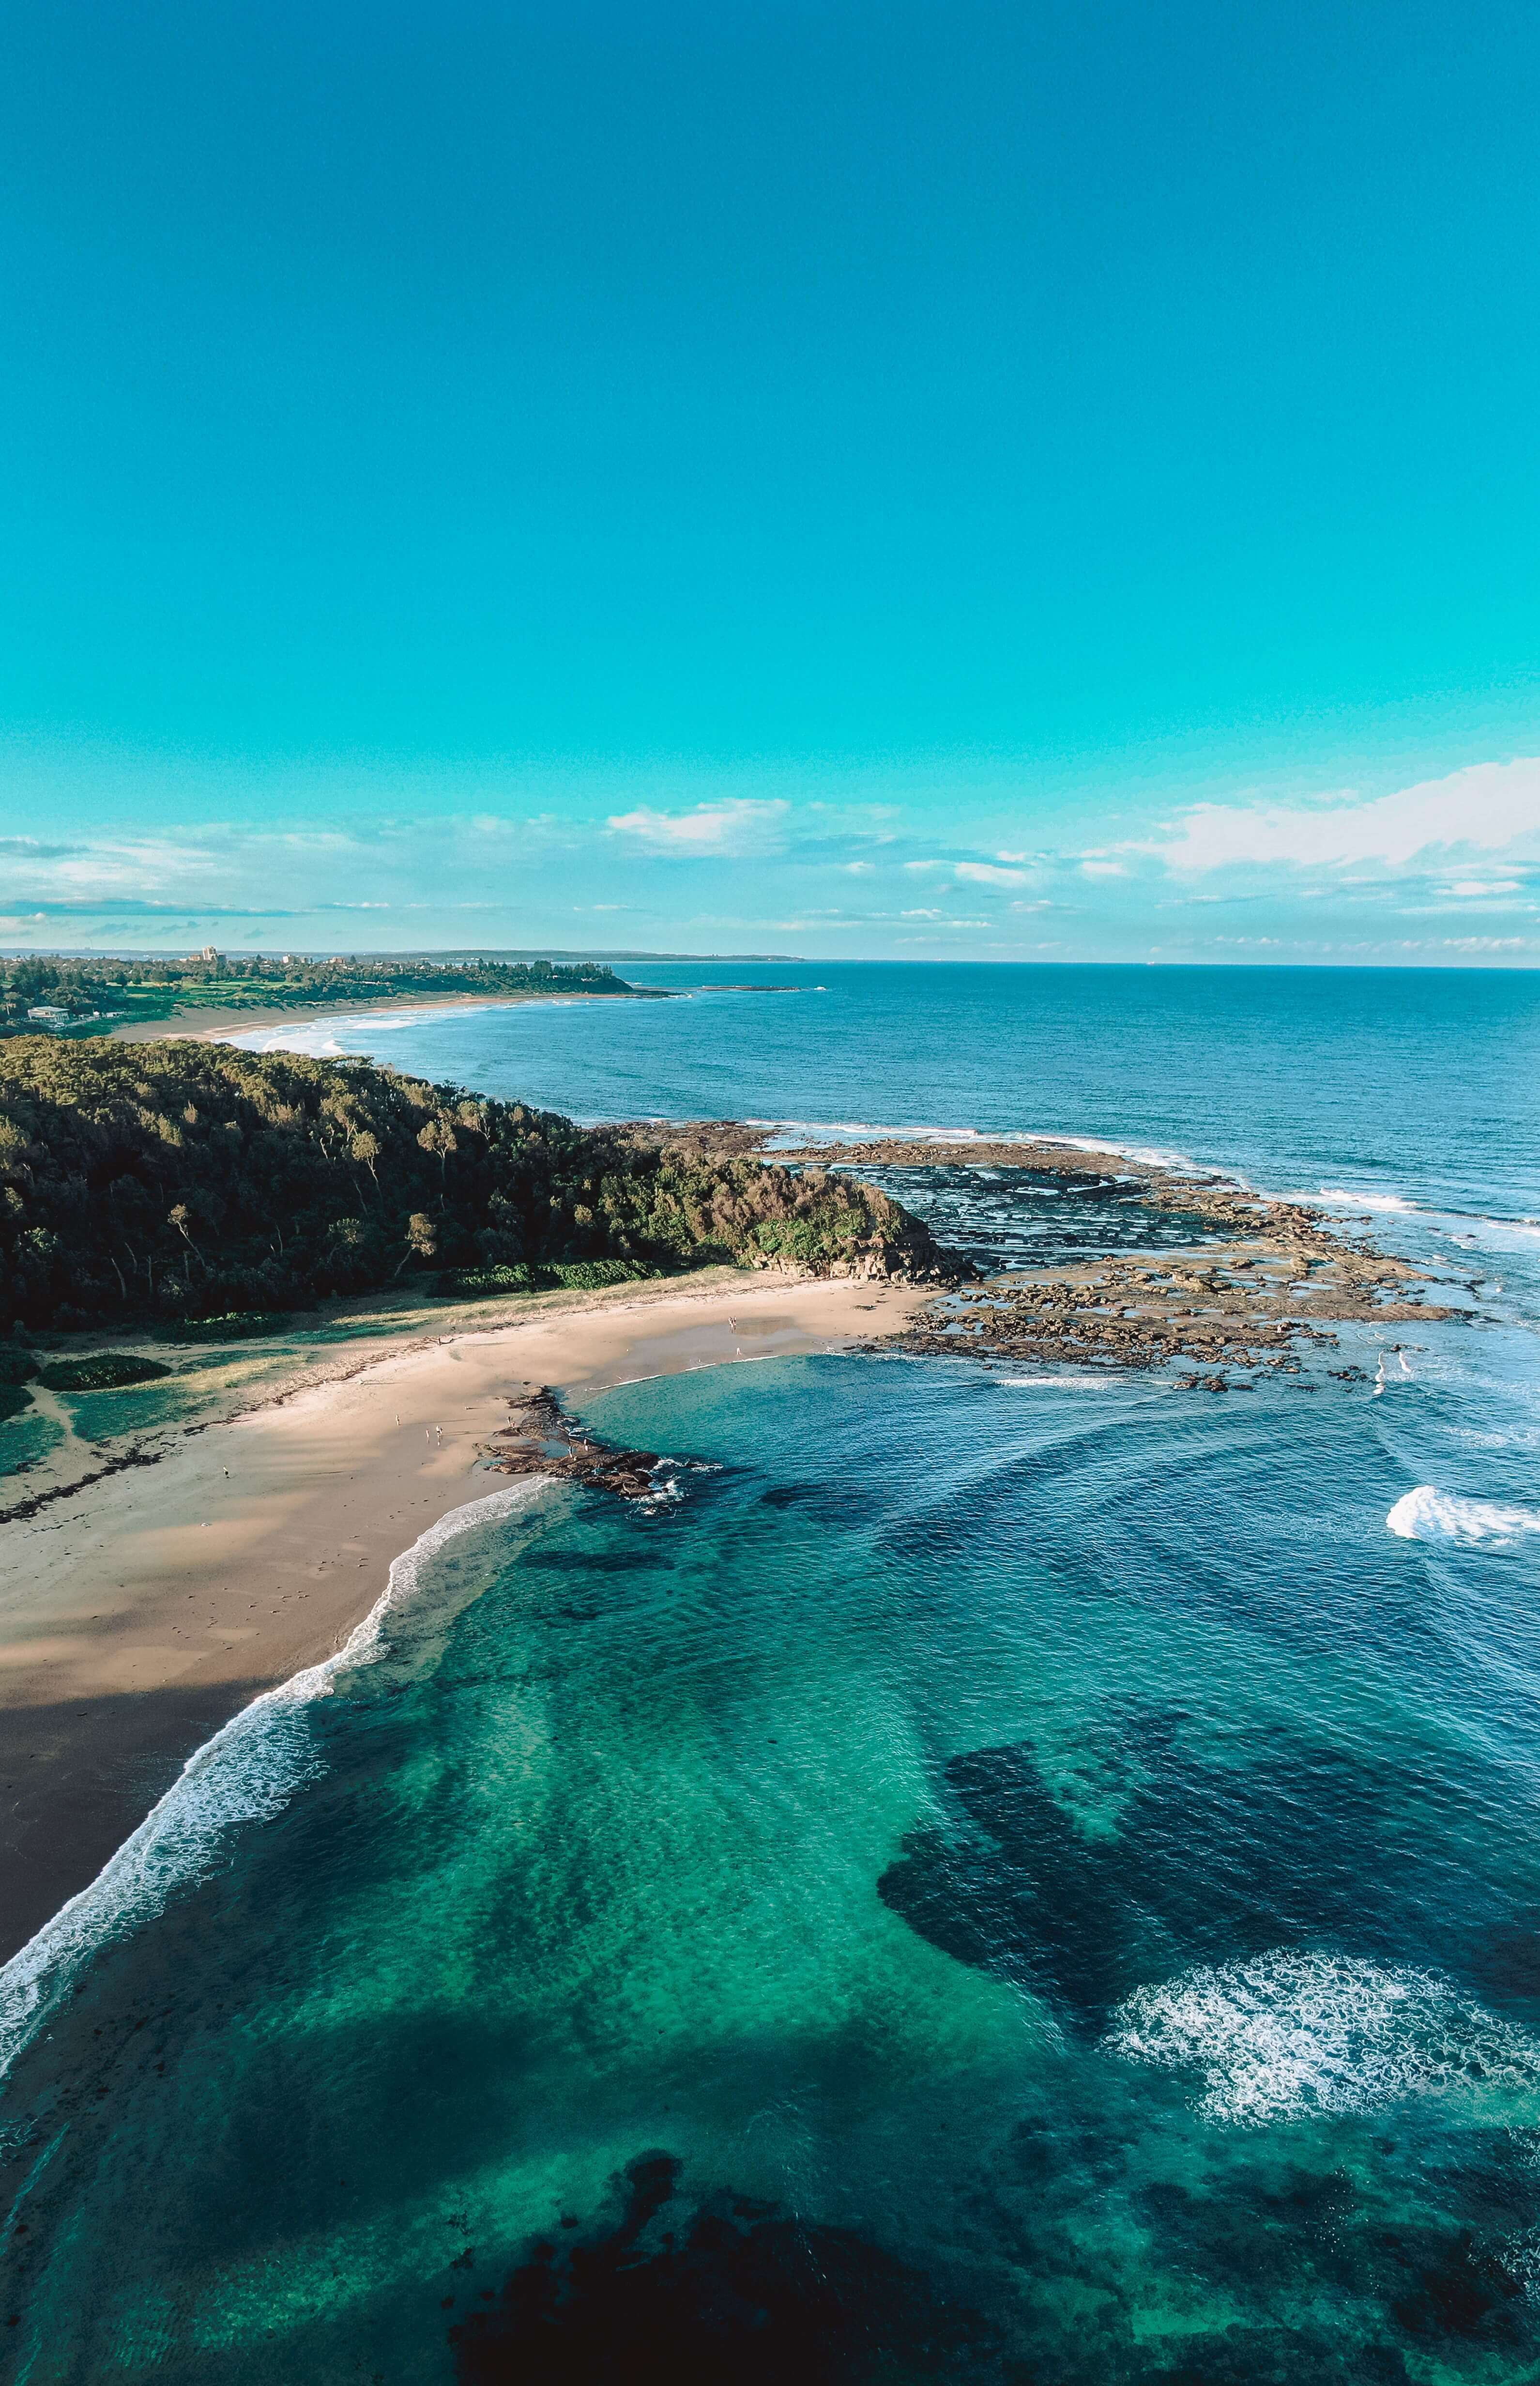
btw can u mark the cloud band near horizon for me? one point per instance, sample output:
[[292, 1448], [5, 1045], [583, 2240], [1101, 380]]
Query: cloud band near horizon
[[1438, 871]]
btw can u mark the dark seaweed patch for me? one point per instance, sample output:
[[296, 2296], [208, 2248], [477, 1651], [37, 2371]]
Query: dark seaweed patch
[[725, 2293], [786, 1495], [1207, 1864], [1284, 2237]]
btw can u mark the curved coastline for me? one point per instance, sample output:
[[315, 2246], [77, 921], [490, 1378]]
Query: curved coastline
[[246, 1772], [150, 1610], [579, 1350], [225, 1023]]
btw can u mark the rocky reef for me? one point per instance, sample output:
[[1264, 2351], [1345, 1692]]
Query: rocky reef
[[1272, 1279], [540, 1439]]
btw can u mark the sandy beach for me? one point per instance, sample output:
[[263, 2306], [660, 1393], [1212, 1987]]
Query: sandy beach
[[215, 1023], [143, 1610]]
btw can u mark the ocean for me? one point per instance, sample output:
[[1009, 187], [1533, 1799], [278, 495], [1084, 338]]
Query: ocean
[[997, 1875]]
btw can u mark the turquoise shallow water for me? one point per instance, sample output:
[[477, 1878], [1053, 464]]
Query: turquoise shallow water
[[1006, 1876]]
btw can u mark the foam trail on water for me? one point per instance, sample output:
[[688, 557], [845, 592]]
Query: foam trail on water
[[1387, 1201], [1426, 1514], [1285, 2035], [246, 1773]]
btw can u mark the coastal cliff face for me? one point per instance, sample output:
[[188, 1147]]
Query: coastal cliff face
[[184, 1181]]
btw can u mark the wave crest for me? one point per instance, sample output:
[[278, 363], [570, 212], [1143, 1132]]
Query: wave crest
[[1284, 2036], [1427, 1515]]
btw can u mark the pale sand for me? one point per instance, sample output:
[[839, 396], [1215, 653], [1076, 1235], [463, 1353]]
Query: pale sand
[[138, 1614], [215, 1024]]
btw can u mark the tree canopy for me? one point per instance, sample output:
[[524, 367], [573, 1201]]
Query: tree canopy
[[177, 1180], [156, 985]]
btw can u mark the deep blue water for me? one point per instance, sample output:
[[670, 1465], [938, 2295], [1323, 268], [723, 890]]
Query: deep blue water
[[1009, 1877], [1423, 1082]]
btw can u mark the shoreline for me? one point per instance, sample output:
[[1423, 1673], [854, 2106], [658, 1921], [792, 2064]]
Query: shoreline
[[131, 1886], [1268, 1273], [150, 1609], [217, 1022]]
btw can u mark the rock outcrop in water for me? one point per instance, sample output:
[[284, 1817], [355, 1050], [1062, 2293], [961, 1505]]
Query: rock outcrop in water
[[1250, 1305], [540, 1439], [1272, 1279]]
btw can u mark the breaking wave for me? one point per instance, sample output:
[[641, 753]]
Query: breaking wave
[[1107, 1383], [1284, 2036], [321, 1039], [1386, 1201], [1429, 1516], [246, 1773]]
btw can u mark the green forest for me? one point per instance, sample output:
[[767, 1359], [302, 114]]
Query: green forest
[[164, 1182], [99, 994]]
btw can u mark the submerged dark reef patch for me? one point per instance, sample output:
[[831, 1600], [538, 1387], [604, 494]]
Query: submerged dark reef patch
[[728, 2288], [723, 2290], [1207, 1862]]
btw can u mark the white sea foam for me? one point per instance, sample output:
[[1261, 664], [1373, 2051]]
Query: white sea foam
[[1358, 1200], [1288, 2035], [1521, 2258], [246, 1773], [317, 1041], [1429, 1516], [319, 1037], [1149, 1155], [1055, 1383], [862, 1130]]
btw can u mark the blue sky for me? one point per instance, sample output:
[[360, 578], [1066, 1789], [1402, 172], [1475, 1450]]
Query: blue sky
[[1052, 482]]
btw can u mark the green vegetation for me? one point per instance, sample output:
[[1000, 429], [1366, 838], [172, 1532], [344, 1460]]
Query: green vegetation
[[106, 1372], [100, 994], [564, 1276], [168, 1183], [235, 1325]]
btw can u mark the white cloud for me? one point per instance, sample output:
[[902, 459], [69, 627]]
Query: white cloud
[[1491, 806], [923, 915], [1094, 869], [988, 874], [1468, 889], [737, 826]]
